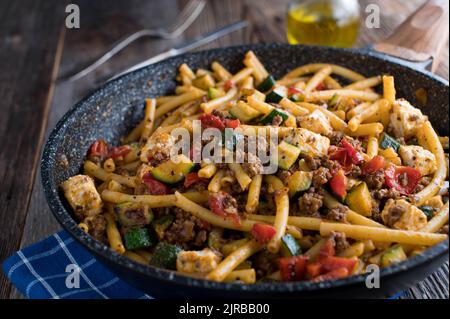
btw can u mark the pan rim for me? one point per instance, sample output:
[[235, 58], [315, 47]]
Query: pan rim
[[64, 217]]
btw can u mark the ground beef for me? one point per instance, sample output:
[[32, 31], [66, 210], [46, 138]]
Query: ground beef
[[336, 137], [423, 182], [313, 162], [355, 172], [340, 241], [187, 230], [310, 203], [321, 176], [393, 216], [375, 213], [253, 165], [444, 229], [265, 263], [339, 213], [97, 227], [375, 180], [277, 120], [283, 174], [220, 114], [384, 194], [230, 204]]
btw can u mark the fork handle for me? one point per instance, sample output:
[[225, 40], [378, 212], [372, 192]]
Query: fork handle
[[114, 50], [422, 36]]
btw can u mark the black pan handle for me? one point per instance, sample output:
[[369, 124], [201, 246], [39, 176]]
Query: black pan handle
[[422, 37]]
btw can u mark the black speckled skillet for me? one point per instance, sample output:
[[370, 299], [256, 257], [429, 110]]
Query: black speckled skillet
[[113, 109]]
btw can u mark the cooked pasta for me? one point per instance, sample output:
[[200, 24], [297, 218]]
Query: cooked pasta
[[310, 169]]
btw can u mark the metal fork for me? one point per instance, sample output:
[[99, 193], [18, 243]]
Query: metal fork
[[187, 16]]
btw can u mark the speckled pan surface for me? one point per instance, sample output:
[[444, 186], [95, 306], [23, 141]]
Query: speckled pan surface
[[112, 110]]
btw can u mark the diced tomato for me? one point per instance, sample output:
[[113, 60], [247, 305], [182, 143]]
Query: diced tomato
[[119, 151], [334, 274], [217, 204], [332, 262], [375, 164], [232, 123], [338, 184], [292, 268], [402, 178], [98, 149], [263, 232], [154, 187], [355, 156], [193, 178], [327, 249], [293, 90], [211, 121], [321, 86], [340, 155], [313, 270], [228, 85]]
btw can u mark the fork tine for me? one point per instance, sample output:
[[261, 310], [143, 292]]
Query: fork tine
[[187, 15]]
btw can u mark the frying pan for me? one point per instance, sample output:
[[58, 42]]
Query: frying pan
[[114, 109]]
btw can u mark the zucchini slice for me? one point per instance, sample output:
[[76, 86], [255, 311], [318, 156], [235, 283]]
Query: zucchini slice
[[298, 182], [289, 246], [165, 256], [287, 155], [387, 141], [360, 200], [276, 95], [136, 238], [269, 117], [244, 112], [214, 93], [428, 211], [171, 172], [267, 84], [393, 255]]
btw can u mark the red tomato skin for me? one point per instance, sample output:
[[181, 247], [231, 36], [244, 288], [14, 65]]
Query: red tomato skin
[[327, 249], [375, 164], [292, 268], [338, 184], [232, 123], [321, 86], [154, 187], [313, 270], [98, 149], [355, 156], [193, 178], [228, 85], [392, 174], [263, 233], [334, 274], [293, 90], [215, 202], [340, 155], [330, 263], [119, 151], [211, 121]]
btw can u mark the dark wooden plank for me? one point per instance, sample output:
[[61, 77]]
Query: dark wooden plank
[[97, 33], [30, 33]]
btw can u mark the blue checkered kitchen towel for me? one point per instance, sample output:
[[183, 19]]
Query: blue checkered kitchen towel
[[39, 271]]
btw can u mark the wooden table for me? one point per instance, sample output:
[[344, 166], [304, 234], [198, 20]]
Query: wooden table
[[36, 49]]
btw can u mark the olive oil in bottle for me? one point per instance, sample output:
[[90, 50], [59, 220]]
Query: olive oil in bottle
[[323, 22]]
